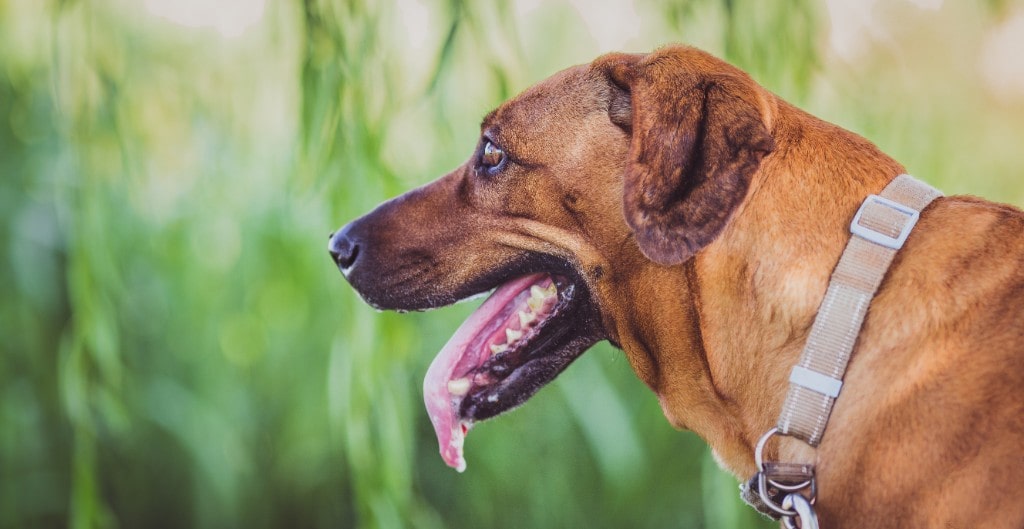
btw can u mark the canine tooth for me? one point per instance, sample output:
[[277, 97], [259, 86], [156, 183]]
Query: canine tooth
[[458, 387], [535, 304], [498, 348], [512, 336], [550, 291], [526, 318], [537, 292]]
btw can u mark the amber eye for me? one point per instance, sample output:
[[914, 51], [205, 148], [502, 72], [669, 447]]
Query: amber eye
[[492, 158]]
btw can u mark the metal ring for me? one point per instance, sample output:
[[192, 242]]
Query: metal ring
[[791, 488], [763, 481], [804, 512], [760, 447], [762, 491]]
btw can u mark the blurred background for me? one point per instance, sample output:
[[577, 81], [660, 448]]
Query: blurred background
[[176, 347]]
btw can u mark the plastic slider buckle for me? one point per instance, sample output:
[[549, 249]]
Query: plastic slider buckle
[[878, 237], [815, 381]]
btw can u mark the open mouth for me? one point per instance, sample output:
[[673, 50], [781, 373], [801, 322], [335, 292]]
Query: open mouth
[[526, 333]]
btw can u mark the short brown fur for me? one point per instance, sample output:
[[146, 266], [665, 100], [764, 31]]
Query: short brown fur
[[706, 228]]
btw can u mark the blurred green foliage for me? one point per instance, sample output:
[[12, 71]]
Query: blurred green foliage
[[178, 350]]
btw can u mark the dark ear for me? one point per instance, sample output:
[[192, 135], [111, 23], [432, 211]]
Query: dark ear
[[697, 137]]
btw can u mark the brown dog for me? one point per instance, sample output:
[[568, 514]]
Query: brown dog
[[693, 219]]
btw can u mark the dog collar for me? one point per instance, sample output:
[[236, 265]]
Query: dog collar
[[878, 231]]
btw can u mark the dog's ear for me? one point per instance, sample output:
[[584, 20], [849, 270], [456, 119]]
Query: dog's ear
[[697, 137]]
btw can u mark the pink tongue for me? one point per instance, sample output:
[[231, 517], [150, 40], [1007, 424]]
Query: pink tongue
[[442, 406]]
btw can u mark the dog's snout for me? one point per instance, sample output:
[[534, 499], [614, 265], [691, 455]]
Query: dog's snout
[[344, 249]]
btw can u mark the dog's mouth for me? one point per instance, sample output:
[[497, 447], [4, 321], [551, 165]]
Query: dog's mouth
[[526, 333]]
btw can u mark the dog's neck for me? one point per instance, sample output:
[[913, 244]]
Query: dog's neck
[[718, 345]]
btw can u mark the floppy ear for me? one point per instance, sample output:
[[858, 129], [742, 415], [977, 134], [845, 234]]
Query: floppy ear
[[697, 139]]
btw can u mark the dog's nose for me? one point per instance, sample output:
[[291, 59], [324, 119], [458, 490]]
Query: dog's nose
[[344, 249]]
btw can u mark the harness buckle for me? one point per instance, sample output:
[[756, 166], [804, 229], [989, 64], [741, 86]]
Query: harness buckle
[[786, 489]]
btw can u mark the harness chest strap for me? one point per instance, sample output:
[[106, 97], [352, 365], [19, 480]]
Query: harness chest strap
[[879, 229]]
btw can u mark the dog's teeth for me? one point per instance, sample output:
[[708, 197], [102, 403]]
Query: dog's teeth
[[535, 304], [526, 318], [511, 336], [542, 294], [458, 387], [498, 348]]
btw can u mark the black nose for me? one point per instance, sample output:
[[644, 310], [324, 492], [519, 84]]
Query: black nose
[[344, 249]]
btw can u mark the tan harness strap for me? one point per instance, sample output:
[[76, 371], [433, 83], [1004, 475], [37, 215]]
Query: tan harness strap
[[879, 230]]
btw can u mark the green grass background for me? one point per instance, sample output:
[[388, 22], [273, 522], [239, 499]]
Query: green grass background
[[176, 348]]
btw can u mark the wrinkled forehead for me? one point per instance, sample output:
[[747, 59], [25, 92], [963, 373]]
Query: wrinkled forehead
[[566, 97]]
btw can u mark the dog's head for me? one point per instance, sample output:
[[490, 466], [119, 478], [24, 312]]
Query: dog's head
[[602, 170]]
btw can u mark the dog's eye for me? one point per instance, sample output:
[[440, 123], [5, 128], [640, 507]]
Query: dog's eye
[[492, 158]]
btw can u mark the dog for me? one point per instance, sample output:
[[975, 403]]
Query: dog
[[667, 203]]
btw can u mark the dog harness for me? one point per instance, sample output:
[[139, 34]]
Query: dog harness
[[878, 231]]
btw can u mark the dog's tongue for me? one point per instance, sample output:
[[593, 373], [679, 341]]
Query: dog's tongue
[[463, 351]]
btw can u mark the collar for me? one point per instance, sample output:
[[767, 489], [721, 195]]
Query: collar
[[878, 231]]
